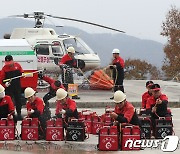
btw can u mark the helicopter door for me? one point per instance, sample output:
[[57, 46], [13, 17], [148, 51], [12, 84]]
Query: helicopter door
[[43, 55], [57, 51]]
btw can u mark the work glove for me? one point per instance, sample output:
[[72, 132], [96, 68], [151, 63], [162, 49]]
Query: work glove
[[7, 84], [30, 112], [62, 111], [10, 116]]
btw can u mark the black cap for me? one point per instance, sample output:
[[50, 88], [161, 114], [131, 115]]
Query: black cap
[[8, 58], [155, 87], [148, 83]]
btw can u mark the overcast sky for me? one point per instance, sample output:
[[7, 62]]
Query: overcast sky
[[139, 18]]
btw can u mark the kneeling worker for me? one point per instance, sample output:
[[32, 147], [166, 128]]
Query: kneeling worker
[[124, 111], [7, 109], [65, 106], [35, 109]]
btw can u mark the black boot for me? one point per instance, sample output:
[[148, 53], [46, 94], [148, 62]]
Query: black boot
[[75, 97]]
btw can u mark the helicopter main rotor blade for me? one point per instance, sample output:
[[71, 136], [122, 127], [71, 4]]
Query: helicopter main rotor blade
[[16, 16], [90, 23], [21, 16]]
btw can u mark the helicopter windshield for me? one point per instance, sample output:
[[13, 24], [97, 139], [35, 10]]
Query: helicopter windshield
[[80, 46]]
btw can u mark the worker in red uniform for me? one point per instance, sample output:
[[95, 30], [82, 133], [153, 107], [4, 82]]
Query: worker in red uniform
[[147, 94], [118, 71], [124, 111], [7, 109], [54, 86], [65, 106], [12, 87], [66, 63], [35, 109], [157, 104]]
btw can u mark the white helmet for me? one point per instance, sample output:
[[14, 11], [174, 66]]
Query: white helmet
[[116, 51], [61, 94], [119, 96], [1, 88], [71, 50], [28, 92]]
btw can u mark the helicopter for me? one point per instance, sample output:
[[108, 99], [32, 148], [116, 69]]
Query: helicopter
[[50, 47]]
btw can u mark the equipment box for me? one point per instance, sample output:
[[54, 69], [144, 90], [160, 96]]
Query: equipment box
[[30, 129], [54, 130], [108, 138], [163, 127], [96, 125], [145, 127], [75, 131], [129, 134], [7, 129]]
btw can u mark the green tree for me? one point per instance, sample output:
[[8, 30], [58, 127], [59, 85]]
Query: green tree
[[171, 30]]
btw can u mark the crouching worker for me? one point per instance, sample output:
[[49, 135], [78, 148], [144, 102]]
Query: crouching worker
[[35, 109], [157, 104], [124, 111], [7, 109], [54, 86], [65, 107]]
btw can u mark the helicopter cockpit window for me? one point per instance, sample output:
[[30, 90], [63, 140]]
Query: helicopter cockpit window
[[42, 49], [80, 46]]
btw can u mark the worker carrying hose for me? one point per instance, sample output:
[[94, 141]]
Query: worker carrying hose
[[66, 64], [118, 71]]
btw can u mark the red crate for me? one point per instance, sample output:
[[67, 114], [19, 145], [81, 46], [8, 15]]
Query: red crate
[[54, 130], [29, 129], [108, 139], [96, 125], [129, 134], [7, 130], [106, 119]]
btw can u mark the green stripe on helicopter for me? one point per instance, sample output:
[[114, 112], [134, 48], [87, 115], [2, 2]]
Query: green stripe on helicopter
[[3, 53]]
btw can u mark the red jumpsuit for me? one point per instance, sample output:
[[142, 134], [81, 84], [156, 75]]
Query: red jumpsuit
[[127, 114], [14, 90], [118, 74], [37, 106], [151, 101], [161, 109], [67, 75], [52, 85], [145, 96], [70, 108], [66, 59], [6, 106]]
